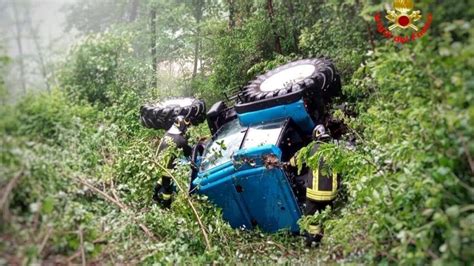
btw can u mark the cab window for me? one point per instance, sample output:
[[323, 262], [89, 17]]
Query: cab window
[[262, 134], [227, 141]]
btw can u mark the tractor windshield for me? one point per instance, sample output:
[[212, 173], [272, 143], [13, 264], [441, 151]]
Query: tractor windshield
[[262, 134], [228, 140]]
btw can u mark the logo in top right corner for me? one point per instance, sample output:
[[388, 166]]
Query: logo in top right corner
[[403, 17]]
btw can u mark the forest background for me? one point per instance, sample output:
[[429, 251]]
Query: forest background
[[77, 168]]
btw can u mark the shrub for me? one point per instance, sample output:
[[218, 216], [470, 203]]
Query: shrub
[[340, 34], [410, 175], [100, 68], [234, 53], [45, 115]]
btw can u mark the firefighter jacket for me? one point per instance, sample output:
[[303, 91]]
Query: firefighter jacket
[[321, 183]]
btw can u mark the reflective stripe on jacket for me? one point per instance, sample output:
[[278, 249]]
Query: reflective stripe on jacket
[[321, 188]]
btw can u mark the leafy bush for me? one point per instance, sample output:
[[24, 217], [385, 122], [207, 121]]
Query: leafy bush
[[340, 34], [4, 61], [409, 183], [86, 167], [100, 68], [234, 53], [46, 115]]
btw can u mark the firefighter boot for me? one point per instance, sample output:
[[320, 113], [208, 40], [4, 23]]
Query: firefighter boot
[[313, 236], [162, 194]]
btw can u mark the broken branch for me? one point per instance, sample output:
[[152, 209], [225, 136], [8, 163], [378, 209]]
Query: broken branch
[[45, 240], [83, 253], [122, 206], [8, 189], [203, 230]]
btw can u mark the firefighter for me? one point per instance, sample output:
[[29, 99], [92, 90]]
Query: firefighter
[[320, 186], [176, 134]]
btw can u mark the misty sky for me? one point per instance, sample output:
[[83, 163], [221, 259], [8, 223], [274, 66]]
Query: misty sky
[[48, 21], [46, 16]]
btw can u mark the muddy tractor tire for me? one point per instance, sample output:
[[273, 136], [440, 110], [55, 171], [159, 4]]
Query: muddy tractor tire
[[316, 81], [161, 115]]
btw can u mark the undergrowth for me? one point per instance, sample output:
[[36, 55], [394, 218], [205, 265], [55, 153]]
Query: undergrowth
[[410, 181], [81, 173], [56, 148]]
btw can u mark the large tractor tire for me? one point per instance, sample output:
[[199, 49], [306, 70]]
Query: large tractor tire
[[313, 80], [161, 115]]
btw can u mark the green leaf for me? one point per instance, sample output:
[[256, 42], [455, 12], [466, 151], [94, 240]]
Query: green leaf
[[453, 211]]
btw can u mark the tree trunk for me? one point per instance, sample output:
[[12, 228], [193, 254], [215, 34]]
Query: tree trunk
[[133, 10], [19, 44], [270, 16], [39, 50], [196, 56], [294, 30], [231, 4], [154, 59], [201, 58], [248, 8], [197, 38]]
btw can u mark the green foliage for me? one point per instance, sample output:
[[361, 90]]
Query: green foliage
[[99, 69], [268, 65], [235, 52], [340, 34], [407, 187], [410, 175], [46, 115], [4, 61], [90, 16]]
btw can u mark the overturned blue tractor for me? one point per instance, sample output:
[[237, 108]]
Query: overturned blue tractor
[[255, 133]]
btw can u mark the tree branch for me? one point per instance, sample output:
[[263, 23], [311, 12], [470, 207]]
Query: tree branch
[[45, 240], [122, 206], [83, 253], [468, 154], [203, 230], [8, 189]]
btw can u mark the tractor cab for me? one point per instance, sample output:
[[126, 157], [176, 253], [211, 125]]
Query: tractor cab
[[254, 134], [240, 171]]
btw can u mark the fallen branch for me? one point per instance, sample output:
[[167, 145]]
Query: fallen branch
[[432, 254], [112, 188], [114, 193], [186, 195], [102, 193], [468, 154], [77, 254], [45, 240], [83, 253], [73, 257], [8, 189], [282, 248], [122, 206]]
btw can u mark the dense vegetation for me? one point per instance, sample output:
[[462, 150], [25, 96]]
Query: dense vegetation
[[77, 168]]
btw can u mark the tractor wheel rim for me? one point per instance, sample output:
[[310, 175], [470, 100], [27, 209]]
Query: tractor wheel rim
[[177, 102], [286, 77]]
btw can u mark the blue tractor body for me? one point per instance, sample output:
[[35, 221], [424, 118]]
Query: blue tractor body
[[296, 111], [252, 195], [240, 170]]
